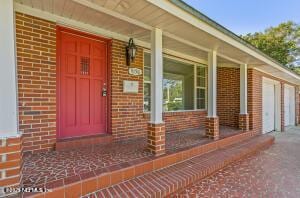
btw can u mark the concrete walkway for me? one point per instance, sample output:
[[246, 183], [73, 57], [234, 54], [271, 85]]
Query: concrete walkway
[[274, 172]]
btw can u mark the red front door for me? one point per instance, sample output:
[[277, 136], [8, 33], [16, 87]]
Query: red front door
[[83, 76]]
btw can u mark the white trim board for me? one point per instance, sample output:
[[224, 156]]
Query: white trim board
[[189, 18], [262, 71], [277, 101]]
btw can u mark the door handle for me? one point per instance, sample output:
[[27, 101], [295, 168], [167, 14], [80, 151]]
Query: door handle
[[104, 90]]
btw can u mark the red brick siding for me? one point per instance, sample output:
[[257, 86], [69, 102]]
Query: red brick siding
[[126, 108], [212, 128], [228, 96], [178, 121], [255, 83], [156, 138], [36, 59], [10, 162], [255, 100]]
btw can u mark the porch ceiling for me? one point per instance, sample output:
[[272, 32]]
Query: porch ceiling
[[133, 18]]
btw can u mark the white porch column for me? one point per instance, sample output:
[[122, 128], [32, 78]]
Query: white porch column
[[243, 117], [156, 76], [212, 120], [156, 126], [212, 84], [8, 79], [11, 142], [243, 89]]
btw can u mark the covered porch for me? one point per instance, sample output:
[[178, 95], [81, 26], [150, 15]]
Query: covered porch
[[160, 37]]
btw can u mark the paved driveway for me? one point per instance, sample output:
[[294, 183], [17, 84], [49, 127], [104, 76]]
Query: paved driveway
[[274, 172]]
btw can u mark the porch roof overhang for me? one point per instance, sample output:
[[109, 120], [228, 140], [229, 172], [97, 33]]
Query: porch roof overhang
[[186, 32]]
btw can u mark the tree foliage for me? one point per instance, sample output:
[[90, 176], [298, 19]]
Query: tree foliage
[[281, 43]]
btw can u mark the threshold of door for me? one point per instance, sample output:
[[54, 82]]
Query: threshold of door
[[77, 142]]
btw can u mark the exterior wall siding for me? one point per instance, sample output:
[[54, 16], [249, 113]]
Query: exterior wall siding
[[36, 59], [228, 96], [255, 100], [10, 162], [182, 120], [127, 119], [255, 110], [179, 121]]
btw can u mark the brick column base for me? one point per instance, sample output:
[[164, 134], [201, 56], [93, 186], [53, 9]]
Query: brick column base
[[244, 122], [212, 127], [10, 163], [156, 138]]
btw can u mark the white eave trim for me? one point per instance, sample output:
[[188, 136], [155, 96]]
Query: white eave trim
[[270, 74], [183, 15]]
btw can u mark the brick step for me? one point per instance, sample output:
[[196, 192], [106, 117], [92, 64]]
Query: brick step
[[171, 179], [102, 178], [82, 142]]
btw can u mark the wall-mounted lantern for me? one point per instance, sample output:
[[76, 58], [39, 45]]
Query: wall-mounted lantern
[[130, 51]]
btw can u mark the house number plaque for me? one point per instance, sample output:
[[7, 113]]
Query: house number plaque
[[135, 71]]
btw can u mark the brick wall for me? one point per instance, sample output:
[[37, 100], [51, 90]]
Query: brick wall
[[126, 108], [36, 59], [255, 100], [10, 162], [255, 83], [228, 96], [179, 121]]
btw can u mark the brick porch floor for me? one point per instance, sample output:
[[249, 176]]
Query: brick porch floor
[[271, 173], [44, 168], [164, 182]]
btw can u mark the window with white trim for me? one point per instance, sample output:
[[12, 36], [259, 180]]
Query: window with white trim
[[184, 85]]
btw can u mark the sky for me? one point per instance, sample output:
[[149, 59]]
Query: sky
[[248, 16]]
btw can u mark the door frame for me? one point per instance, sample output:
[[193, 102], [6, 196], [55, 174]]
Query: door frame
[[59, 30], [277, 101], [290, 87]]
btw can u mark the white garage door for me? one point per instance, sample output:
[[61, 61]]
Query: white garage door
[[289, 105], [268, 107]]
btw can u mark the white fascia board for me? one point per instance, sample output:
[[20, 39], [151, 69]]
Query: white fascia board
[[270, 81], [270, 74], [189, 58], [189, 18], [184, 41]]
